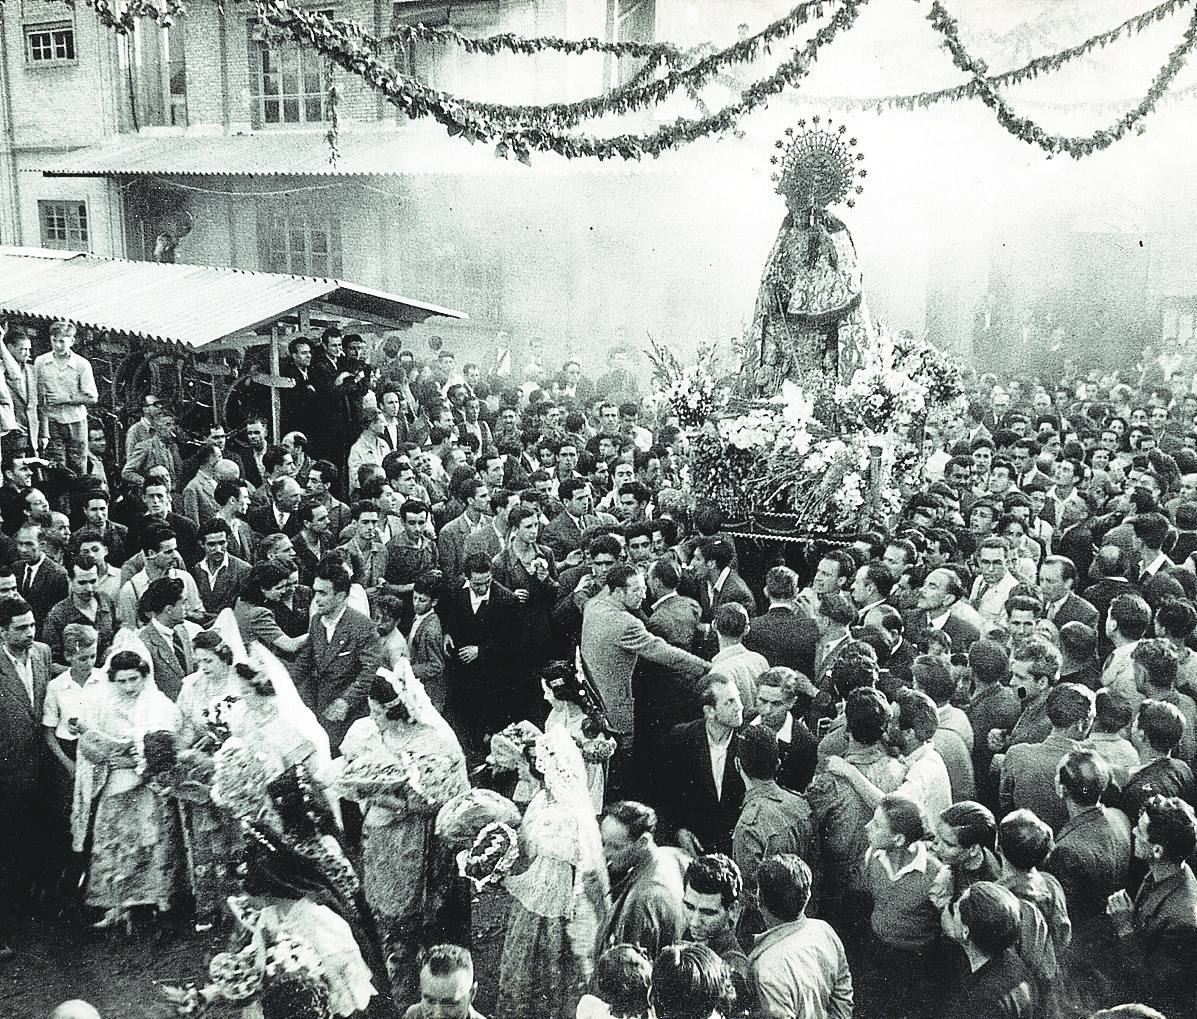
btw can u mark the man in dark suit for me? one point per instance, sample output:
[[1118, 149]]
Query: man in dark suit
[[278, 516], [299, 404], [942, 606], [777, 694], [718, 583], [1057, 578], [171, 652], [781, 635], [664, 697], [702, 798], [335, 667], [24, 673], [564, 532], [218, 575], [478, 618], [40, 580], [157, 500], [1092, 855]]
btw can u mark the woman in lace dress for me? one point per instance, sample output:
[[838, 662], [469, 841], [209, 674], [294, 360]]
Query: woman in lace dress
[[136, 857], [397, 836], [561, 898]]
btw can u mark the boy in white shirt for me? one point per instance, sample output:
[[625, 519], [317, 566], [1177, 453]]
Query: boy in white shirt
[[64, 693]]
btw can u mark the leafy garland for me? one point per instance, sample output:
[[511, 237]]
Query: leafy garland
[[520, 130], [643, 91], [122, 17], [342, 44], [333, 134], [1026, 129], [509, 42], [1046, 64]]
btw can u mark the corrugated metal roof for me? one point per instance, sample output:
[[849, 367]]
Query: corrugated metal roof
[[194, 305], [376, 152]]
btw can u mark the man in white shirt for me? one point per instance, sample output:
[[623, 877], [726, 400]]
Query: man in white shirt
[[66, 388], [992, 588]]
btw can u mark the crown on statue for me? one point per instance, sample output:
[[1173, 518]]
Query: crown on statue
[[820, 165]]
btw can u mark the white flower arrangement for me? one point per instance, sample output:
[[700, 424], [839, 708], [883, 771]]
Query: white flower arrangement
[[691, 396]]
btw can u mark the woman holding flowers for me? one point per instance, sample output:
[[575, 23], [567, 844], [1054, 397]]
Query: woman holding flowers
[[137, 854], [561, 898], [402, 763]]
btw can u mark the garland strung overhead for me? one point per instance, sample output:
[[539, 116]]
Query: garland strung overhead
[[520, 130], [644, 91], [1046, 64], [122, 17], [1026, 129], [339, 42]]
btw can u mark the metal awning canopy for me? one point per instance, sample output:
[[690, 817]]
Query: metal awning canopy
[[195, 306]]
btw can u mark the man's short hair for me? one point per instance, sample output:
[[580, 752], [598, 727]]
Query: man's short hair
[[477, 563], [866, 715], [1043, 656], [917, 713], [991, 913], [1171, 826], [880, 576], [836, 607], [10, 608], [333, 568], [153, 537], [638, 818], [161, 594], [781, 584], [667, 575], [365, 506], [1131, 614], [689, 980], [716, 550], [1161, 724], [1151, 529], [934, 678], [716, 874], [731, 620], [445, 960], [758, 754], [1084, 775], [1068, 704], [783, 886], [215, 525], [619, 576], [226, 490]]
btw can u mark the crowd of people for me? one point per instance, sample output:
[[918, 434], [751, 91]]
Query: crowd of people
[[940, 767]]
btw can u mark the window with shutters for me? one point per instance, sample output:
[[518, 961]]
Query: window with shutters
[[63, 225]]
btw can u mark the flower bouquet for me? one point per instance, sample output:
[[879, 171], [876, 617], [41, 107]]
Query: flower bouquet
[[491, 857], [379, 771], [461, 819]]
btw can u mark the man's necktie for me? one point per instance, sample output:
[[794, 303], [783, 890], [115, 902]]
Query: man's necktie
[[982, 591], [181, 652], [27, 580]]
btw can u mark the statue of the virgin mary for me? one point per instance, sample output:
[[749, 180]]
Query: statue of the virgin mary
[[810, 319]]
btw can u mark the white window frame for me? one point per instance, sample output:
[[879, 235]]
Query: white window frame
[[51, 29], [67, 207]]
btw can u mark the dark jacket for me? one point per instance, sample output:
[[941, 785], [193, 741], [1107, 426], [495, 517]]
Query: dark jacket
[[1001, 989], [690, 800], [785, 639]]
